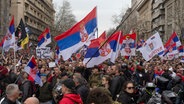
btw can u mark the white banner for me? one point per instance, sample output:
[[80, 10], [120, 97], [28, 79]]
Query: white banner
[[43, 52], [152, 47]]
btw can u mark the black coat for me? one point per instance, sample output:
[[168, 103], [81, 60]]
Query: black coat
[[27, 90], [126, 98], [5, 100], [116, 85], [83, 91]]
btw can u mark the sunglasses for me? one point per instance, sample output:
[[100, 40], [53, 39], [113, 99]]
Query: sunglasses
[[130, 88]]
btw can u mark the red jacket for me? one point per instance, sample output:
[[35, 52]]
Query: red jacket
[[71, 99]]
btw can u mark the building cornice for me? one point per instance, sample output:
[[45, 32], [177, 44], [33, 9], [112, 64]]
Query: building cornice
[[143, 2]]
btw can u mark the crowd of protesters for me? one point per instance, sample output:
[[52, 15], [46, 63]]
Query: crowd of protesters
[[70, 82]]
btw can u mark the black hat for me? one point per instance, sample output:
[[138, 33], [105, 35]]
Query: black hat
[[64, 74], [69, 83]]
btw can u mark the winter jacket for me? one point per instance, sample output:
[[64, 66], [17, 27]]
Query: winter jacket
[[126, 98], [83, 91], [27, 90], [5, 100], [71, 99], [115, 87], [45, 92]]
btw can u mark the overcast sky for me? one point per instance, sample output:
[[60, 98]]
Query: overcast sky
[[105, 10]]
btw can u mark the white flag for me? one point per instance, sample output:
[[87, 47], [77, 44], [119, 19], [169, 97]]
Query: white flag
[[152, 47]]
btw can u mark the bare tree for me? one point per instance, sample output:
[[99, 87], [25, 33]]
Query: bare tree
[[110, 31], [64, 19], [116, 18]]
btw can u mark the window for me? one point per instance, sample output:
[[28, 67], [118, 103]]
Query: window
[[26, 19], [26, 6], [38, 14], [31, 21], [31, 9]]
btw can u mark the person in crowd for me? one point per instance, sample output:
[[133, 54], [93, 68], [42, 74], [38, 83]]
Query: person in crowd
[[31, 100], [45, 91], [99, 95], [116, 83], [106, 82], [140, 75], [149, 74], [26, 87], [70, 95], [54, 77], [12, 95], [81, 86], [94, 79], [127, 94]]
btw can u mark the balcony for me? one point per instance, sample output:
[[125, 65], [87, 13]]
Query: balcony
[[158, 24], [155, 5], [158, 13]]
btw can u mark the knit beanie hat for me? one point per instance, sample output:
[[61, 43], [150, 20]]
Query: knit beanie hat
[[69, 83]]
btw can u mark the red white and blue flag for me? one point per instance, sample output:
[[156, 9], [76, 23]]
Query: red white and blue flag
[[181, 50], [108, 50], [57, 55], [171, 46], [182, 59], [151, 47], [140, 43], [79, 35], [9, 37], [45, 38], [128, 46], [33, 72], [2, 41]]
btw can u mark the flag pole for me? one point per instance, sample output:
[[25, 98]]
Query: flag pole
[[104, 43]]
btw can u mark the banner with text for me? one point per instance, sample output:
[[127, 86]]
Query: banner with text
[[43, 52]]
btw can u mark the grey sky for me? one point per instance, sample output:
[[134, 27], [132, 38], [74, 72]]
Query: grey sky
[[105, 10]]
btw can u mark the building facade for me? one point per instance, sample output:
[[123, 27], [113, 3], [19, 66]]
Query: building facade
[[158, 17], [129, 20], [174, 17], [4, 17], [36, 14], [150, 16], [144, 20]]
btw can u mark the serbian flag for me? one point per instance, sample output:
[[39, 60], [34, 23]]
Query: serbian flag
[[152, 47], [33, 72], [181, 50], [79, 35], [10, 36], [57, 55], [2, 41], [128, 46], [45, 38], [108, 50], [171, 46], [140, 43], [182, 59]]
